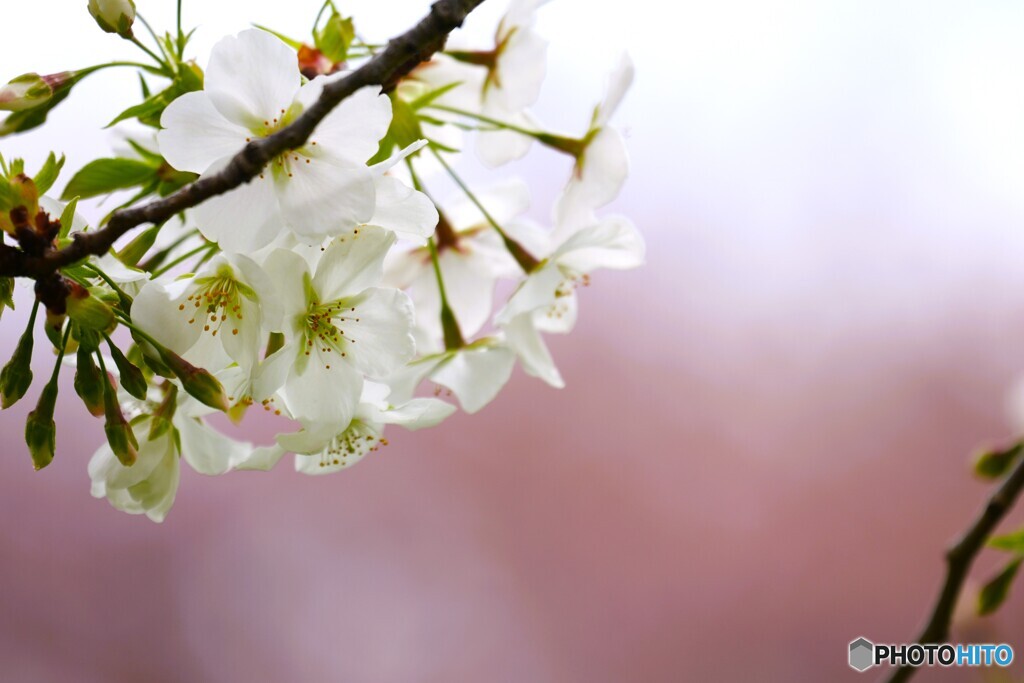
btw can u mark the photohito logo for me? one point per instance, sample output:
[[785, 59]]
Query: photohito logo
[[864, 654]]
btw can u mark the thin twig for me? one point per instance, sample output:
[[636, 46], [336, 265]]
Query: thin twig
[[386, 68], [959, 559]]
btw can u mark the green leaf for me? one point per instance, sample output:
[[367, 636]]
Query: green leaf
[[104, 176], [334, 39], [1011, 543], [48, 173], [996, 462], [428, 98], [67, 218], [994, 592], [137, 248], [6, 294]]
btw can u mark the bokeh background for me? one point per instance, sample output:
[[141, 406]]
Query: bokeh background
[[764, 442]]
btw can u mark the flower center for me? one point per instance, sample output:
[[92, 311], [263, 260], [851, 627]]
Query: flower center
[[324, 325], [216, 299], [350, 446]]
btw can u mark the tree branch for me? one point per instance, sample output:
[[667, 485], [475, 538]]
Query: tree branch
[[959, 559], [401, 56]]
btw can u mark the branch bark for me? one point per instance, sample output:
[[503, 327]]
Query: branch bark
[[401, 56], [959, 559]]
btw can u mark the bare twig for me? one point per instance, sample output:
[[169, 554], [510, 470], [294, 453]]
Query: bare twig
[[401, 56], [959, 559]]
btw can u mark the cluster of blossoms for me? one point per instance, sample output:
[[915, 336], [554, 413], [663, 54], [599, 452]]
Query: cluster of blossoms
[[332, 287]]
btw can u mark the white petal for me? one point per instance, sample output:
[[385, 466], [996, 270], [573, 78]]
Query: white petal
[[613, 243], [504, 201], [419, 413], [403, 210], [538, 291], [242, 220], [476, 375], [596, 179], [195, 135], [406, 380], [520, 70], [313, 393], [352, 263], [287, 270], [381, 341], [155, 311], [619, 81], [263, 458], [499, 147], [469, 286], [266, 289], [353, 130], [324, 197], [252, 77], [525, 340], [207, 450]]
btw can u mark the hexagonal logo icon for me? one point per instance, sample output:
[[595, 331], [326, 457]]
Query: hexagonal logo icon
[[862, 653]]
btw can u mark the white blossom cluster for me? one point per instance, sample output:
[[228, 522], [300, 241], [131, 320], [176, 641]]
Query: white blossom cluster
[[333, 289]]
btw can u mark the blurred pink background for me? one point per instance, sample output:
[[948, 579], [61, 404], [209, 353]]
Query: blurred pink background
[[763, 446]]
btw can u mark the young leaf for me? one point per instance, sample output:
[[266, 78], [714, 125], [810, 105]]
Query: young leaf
[[137, 248], [6, 294], [103, 176], [334, 39], [994, 593], [1011, 543], [994, 463], [67, 218], [428, 98], [48, 173]]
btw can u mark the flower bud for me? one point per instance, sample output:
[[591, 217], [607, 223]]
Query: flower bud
[[87, 310], [25, 92], [132, 379], [16, 377], [196, 381], [88, 384], [41, 430], [119, 433], [114, 16]]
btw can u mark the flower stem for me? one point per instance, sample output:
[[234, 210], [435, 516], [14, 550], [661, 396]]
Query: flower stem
[[149, 52], [524, 258], [453, 338], [125, 299]]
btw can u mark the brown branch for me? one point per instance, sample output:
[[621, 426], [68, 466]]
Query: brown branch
[[401, 56], [959, 559]]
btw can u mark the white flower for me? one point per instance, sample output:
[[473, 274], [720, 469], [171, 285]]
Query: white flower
[[499, 83], [149, 485], [474, 373], [231, 304], [601, 163], [252, 89], [324, 448], [546, 300], [472, 258], [338, 325]]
